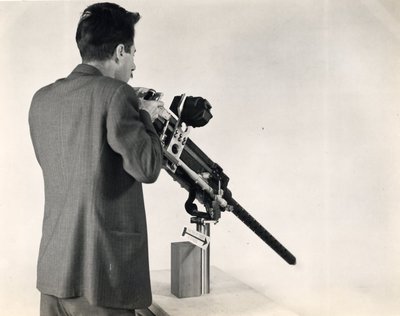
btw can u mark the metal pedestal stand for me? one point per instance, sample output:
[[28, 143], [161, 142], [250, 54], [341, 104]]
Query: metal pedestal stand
[[190, 262], [204, 228]]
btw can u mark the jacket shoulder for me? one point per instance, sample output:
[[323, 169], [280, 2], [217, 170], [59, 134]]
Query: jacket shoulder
[[42, 91], [114, 85], [109, 89], [47, 89]]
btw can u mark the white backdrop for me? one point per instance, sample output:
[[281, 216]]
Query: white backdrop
[[305, 99]]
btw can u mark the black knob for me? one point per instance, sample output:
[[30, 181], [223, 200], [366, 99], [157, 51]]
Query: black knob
[[175, 149]]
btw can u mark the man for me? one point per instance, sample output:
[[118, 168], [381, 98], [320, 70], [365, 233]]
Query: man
[[95, 142]]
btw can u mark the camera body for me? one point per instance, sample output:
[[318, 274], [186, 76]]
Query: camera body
[[193, 111]]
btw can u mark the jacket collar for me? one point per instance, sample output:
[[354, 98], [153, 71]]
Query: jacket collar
[[85, 70]]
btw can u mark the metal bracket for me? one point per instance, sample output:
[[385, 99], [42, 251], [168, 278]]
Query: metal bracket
[[178, 140]]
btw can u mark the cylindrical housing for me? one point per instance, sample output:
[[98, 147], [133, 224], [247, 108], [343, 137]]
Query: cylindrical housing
[[204, 228]]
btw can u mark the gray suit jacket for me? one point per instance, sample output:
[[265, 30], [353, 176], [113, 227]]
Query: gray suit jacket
[[95, 148]]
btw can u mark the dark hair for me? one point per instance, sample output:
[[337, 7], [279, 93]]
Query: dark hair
[[102, 27]]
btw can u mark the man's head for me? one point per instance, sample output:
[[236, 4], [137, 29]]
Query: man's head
[[106, 34]]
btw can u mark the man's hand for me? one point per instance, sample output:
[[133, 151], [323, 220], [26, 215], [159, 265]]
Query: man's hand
[[154, 108]]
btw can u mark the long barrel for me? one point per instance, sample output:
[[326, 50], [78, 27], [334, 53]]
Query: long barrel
[[259, 230]]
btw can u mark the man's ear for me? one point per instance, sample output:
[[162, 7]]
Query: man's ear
[[118, 52]]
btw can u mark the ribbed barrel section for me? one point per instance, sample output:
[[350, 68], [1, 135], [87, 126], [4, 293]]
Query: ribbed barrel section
[[260, 231]]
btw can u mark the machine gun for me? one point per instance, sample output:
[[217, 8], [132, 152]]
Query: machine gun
[[204, 179]]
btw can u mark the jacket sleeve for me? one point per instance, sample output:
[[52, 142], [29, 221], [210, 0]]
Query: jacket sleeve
[[130, 133]]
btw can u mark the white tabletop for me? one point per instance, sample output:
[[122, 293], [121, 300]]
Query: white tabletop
[[228, 296]]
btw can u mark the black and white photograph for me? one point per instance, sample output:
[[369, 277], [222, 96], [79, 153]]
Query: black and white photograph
[[200, 158]]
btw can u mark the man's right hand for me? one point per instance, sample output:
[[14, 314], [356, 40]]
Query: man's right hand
[[153, 107]]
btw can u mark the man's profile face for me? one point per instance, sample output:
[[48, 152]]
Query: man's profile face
[[126, 65]]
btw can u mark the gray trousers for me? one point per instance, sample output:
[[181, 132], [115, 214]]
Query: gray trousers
[[79, 306]]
